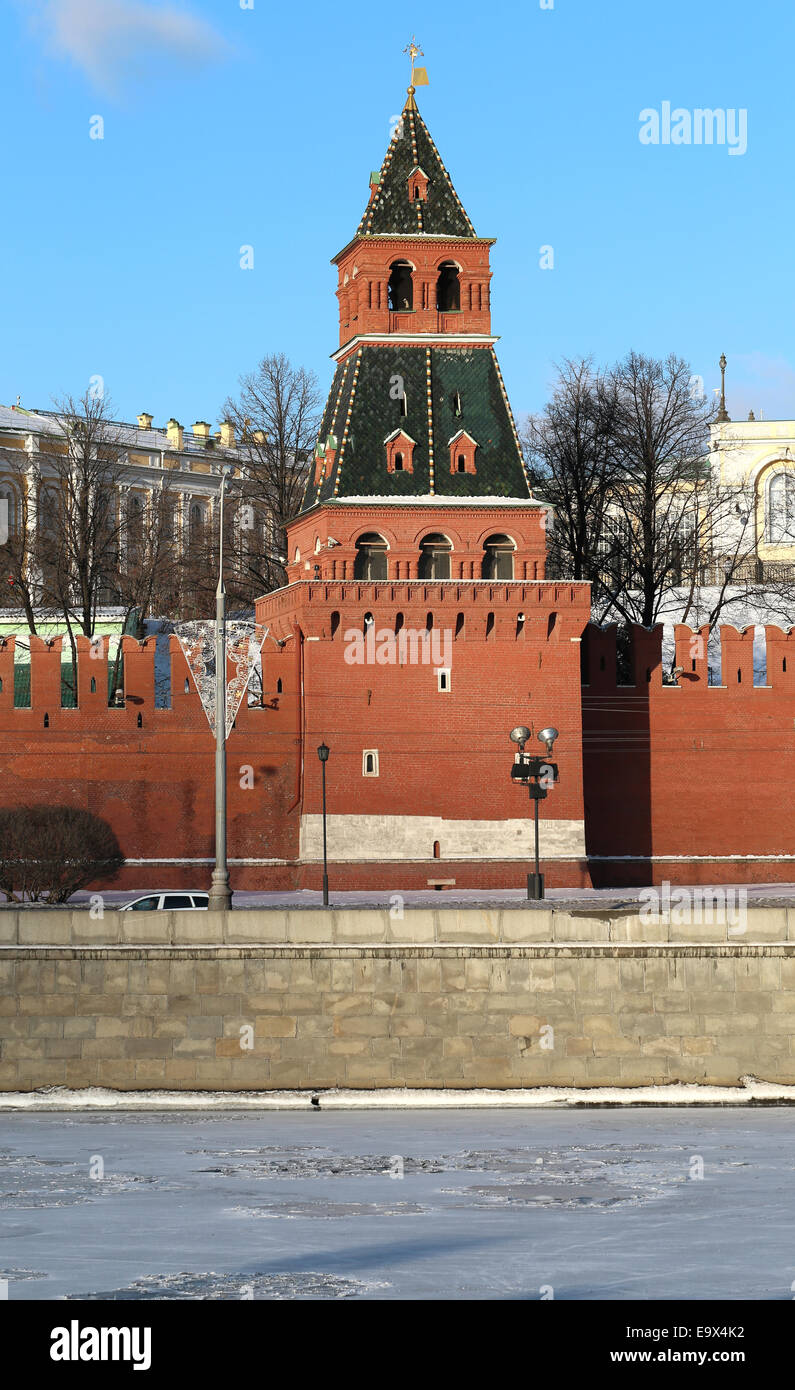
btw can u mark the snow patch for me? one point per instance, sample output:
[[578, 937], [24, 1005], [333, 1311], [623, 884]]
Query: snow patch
[[749, 1092]]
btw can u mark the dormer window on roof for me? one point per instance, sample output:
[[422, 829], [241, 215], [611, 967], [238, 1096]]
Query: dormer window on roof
[[418, 185], [462, 453], [399, 452]]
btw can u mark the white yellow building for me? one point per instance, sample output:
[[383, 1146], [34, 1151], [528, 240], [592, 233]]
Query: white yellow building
[[190, 459], [759, 455]]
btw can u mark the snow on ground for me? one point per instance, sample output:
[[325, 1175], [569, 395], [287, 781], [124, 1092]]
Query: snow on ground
[[749, 1092], [461, 897], [602, 1204]]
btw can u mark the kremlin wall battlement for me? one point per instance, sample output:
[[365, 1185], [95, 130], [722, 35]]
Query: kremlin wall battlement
[[687, 782]]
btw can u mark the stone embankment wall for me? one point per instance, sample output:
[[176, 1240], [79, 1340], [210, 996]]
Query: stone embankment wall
[[259, 1000]]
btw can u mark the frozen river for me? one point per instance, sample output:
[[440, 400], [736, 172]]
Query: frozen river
[[588, 1204]]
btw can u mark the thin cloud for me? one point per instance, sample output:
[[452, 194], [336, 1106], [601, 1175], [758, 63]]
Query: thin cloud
[[113, 41]]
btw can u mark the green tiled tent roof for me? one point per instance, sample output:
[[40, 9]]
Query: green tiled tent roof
[[362, 413], [391, 210]]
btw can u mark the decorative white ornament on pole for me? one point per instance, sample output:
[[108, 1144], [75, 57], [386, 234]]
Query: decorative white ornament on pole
[[243, 645]]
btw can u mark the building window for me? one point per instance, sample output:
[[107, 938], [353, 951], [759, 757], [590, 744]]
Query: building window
[[370, 762], [418, 185], [463, 451], [135, 528], [370, 562], [434, 562], [448, 288], [401, 286], [399, 452], [8, 514], [443, 680], [780, 527], [497, 558], [49, 512]]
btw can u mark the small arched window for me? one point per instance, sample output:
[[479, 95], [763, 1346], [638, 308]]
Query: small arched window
[[398, 463], [401, 286], [434, 562], [448, 288], [497, 558], [196, 520], [461, 463], [370, 562]]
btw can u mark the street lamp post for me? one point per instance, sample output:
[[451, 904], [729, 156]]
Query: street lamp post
[[535, 774], [322, 753], [220, 892]]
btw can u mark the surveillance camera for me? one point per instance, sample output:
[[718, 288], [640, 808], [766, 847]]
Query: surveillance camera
[[331, 542]]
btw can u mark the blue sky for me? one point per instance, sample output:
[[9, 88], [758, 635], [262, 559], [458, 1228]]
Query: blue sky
[[226, 126]]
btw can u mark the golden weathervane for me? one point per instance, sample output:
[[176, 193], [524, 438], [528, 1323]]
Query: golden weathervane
[[419, 76]]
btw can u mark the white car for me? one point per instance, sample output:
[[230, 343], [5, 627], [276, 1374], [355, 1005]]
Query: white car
[[168, 902]]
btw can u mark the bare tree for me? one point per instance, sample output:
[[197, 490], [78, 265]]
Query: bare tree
[[18, 553], [639, 509], [49, 852], [568, 453], [97, 540], [668, 518], [276, 417], [79, 525], [148, 577]]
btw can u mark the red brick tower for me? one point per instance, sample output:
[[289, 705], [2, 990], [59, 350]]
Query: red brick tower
[[419, 627]]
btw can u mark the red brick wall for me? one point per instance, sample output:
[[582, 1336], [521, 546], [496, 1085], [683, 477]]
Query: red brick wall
[[693, 781], [689, 783], [153, 784]]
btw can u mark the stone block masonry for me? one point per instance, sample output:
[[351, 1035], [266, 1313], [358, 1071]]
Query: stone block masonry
[[430, 1012]]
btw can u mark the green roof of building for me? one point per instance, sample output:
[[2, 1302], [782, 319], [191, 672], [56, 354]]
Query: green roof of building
[[391, 211], [364, 409]]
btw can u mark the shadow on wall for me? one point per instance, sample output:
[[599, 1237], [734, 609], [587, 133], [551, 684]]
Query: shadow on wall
[[618, 673]]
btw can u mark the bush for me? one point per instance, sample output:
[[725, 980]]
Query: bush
[[49, 852]]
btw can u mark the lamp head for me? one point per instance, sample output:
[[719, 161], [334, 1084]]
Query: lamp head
[[520, 735], [323, 752], [547, 737]]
